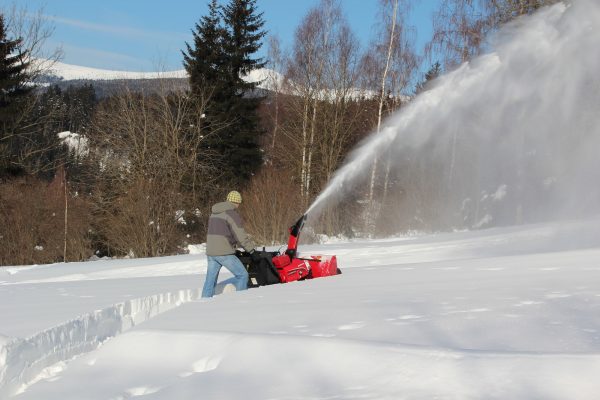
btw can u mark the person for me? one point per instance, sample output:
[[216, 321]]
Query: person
[[226, 233]]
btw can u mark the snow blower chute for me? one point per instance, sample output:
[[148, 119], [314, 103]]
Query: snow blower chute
[[267, 268]]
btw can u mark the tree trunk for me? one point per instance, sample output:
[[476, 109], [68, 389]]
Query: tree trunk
[[66, 215], [310, 148], [304, 169], [371, 210]]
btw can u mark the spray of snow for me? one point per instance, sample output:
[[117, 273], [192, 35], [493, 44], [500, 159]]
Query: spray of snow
[[526, 113]]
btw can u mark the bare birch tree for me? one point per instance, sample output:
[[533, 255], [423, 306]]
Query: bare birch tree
[[392, 63], [34, 28], [502, 11], [459, 28], [275, 84], [306, 82]]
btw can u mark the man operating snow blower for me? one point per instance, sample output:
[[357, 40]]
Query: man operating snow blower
[[254, 267], [225, 233]]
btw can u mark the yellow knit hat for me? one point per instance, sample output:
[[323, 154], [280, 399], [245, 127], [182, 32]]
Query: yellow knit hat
[[234, 197]]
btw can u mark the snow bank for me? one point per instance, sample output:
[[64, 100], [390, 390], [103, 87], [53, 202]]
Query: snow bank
[[196, 248], [4, 343], [22, 360]]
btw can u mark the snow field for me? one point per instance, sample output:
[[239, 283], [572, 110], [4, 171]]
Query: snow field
[[492, 314], [225, 365]]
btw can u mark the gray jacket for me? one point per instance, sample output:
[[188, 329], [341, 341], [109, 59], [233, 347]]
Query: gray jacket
[[226, 231]]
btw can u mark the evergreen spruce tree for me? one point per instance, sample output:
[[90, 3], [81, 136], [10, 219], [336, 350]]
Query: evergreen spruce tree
[[434, 72], [222, 54], [204, 61], [242, 40], [13, 92]]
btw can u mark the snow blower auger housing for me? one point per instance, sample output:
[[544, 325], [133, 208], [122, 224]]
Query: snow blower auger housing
[[267, 268]]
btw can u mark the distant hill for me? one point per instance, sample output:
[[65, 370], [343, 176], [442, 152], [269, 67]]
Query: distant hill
[[107, 82]]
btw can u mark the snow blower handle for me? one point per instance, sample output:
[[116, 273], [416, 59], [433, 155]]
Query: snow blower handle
[[294, 236]]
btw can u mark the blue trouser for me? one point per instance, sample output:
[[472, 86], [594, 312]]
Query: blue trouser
[[233, 264]]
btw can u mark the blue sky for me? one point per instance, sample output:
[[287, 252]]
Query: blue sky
[[147, 35]]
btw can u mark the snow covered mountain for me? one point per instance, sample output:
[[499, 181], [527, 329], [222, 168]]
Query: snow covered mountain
[[67, 72], [506, 313], [70, 72], [267, 79]]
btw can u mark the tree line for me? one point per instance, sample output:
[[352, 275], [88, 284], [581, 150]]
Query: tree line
[[134, 173]]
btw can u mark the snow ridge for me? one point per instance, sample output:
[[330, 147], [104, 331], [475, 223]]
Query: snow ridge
[[22, 360], [68, 72]]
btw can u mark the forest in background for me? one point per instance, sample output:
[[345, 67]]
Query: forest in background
[[149, 164]]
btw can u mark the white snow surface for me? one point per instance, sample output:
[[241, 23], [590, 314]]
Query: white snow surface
[[76, 143], [70, 72], [504, 313]]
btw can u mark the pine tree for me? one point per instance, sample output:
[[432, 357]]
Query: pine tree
[[204, 61], [434, 72], [242, 39], [13, 92], [224, 44]]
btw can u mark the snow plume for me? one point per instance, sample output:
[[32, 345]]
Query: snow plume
[[521, 121]]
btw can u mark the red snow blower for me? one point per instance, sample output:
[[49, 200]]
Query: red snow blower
[[267, 268]]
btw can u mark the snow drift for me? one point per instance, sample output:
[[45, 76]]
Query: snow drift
[[22, 360]]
